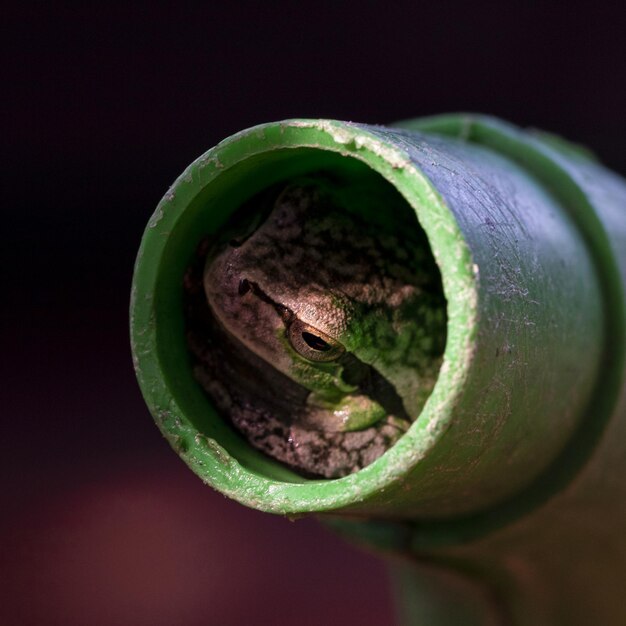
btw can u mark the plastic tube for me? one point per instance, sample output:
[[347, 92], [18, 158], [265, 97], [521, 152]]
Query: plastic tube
[[512, 474]]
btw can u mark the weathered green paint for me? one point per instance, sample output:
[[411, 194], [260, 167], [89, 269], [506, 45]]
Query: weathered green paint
[[512, 474]]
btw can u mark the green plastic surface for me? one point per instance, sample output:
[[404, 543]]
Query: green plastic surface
[[515, 465]]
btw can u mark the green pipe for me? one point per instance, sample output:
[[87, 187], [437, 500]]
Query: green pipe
[[505, 500]]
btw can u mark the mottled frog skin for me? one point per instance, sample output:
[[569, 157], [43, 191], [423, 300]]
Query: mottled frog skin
[[317, 333]]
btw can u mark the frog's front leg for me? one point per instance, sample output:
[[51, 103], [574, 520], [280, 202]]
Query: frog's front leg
[[352, 412]]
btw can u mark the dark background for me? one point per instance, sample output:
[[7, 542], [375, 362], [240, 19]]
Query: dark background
[[101, 109]]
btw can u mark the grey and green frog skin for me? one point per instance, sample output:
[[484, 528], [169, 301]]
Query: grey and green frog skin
[[318, 332]]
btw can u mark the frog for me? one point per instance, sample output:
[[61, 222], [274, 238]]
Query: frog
[[318, 331]]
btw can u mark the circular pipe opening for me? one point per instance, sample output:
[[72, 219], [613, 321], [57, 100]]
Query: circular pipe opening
[[199, 204], [316, 319]]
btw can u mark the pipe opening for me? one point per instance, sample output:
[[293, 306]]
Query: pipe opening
[[313, 313]]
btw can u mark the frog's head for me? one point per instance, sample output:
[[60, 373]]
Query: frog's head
[[312, 295]]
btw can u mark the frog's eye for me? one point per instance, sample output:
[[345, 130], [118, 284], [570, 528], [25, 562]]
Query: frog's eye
[[312, 343]]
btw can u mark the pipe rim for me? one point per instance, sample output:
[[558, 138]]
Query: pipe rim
[[207, 456]]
